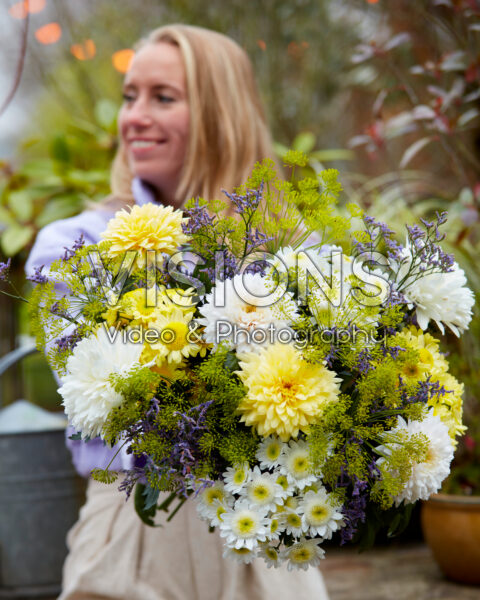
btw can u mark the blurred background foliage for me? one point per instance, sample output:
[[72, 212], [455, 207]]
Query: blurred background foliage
[[387, 91]]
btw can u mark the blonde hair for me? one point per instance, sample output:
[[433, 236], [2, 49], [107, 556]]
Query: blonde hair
[[228, 129]]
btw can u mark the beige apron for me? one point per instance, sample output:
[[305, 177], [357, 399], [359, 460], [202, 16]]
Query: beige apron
[[114, 555]]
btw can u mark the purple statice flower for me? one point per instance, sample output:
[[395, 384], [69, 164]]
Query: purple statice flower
[[382, 228], [415, 233], [228, 268], [393, 351], [58, 311], [394, 249], [363, 363], [38, 276], [184, 441], [427, 390], [4, 269], [77, 245], [354, 508], [428, 256], [376, 231], [331, 356], [395, 297], [198, 218], [68, 342], [255, 239], [246, 202]]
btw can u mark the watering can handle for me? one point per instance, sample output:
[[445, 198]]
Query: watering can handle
[[15, 356]]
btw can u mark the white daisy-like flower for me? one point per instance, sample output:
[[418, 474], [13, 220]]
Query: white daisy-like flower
[[321, 513], [277, 525], [263, 491], [293, 522], [269, 452], [243, 526], [440, 297], [270, 555], [207, 500], [303, 554], [237, 477], [246, 323], [296, 464], [426, 477], [220, 510], [242, 555], [282, 480], [87, 392]]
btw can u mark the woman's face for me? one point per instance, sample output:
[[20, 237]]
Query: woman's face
[[154, 119]]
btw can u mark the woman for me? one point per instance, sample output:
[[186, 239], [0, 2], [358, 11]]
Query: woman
[[191, 124]]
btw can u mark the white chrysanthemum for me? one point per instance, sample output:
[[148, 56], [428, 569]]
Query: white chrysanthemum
[[242, 555], [236, 477], [88, 395], [296, 464], [440, 297], [207, 500], [303, 554], [262, 490], [270, 555], [321, 513], [426, 477], [244, 526], [244, 322], [269, 452]]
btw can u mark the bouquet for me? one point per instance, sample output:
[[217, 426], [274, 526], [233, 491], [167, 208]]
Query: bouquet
[[280, 371]]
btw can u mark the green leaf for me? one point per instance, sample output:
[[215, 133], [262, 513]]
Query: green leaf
[[141, 493], [280, 149], [231, 362], [14, 238], [59, 149], [59, 208], [304, 142], [106, 113], [37, 168], [21, 204], [333, 154], [6, 217], [400, 521]]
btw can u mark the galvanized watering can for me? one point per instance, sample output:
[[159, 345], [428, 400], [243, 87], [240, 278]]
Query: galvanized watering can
[[40, 495]]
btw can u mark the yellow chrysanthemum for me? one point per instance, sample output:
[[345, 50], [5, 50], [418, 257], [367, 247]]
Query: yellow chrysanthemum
[[285, 393], [449, 407], [430, 361], [176, 341], [160, 366], [139, 304], [146, 227]]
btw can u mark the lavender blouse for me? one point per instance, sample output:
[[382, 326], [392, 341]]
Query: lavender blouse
[[49, 245]]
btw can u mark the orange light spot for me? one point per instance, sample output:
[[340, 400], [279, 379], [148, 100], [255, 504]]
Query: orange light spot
[[84, 51], [262, 45], [122, 58], [305, 44], [18, 10], [49, 34], [34, 6], [372, 1]]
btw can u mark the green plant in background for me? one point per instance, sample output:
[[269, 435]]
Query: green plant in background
[[421, 139], [74, 174], [42, 190]]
